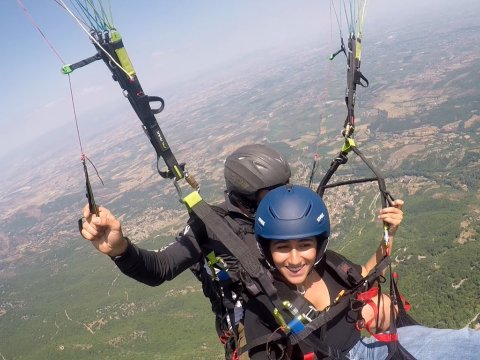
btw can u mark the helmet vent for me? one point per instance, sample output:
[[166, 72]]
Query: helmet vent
[[308, 210], [259, 165], [272, 212]]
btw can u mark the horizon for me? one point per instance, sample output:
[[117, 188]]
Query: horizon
[[194, 40]]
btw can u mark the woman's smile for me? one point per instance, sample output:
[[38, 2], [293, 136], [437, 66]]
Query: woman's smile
[[296, 270], [294, 259]]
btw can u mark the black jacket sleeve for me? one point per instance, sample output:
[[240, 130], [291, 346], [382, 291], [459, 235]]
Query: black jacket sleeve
[[154, 267]]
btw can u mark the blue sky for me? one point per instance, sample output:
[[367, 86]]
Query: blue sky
[[168, 41]]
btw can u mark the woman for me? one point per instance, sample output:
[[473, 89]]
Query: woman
[[320, 287]]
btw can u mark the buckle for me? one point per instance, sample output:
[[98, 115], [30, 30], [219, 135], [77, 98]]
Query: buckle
[[311, 314]]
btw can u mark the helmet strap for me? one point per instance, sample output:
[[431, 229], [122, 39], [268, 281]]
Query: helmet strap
[[321, 248]]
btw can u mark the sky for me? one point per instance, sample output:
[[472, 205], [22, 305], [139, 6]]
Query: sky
[[168, 41]]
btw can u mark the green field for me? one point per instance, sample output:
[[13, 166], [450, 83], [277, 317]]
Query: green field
[[75, 304]]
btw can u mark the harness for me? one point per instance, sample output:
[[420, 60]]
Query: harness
[[256, 280], [225, 284], [298, 319]]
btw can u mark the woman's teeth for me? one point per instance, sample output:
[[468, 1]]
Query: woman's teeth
[[295, 268]]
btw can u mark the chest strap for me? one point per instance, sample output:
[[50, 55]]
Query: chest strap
[[255, 277]]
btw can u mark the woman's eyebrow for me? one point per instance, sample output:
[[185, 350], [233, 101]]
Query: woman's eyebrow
[[306, 240]]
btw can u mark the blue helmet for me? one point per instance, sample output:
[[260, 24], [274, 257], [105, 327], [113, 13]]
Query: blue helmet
[[292, 212]]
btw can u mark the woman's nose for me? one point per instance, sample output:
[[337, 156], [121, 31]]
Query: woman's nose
[[294, 257]]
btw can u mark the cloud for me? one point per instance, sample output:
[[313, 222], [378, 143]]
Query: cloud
[[52, 104]]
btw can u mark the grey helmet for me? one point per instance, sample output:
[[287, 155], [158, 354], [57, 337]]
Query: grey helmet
[[253, 167]]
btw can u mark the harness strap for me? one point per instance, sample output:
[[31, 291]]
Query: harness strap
[[367, 298], [404, 302], [403, 319], [255, 276], [308, 343], [320, 318], [321, 349], [358, 79], [303, 337]]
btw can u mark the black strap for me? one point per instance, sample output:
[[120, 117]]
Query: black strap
[[69, 68], [358, 79], [344, 268], [92, 205], [403, 318], [320, 318], [141, 104], [305, 339], [233, 243], [339, 160]]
